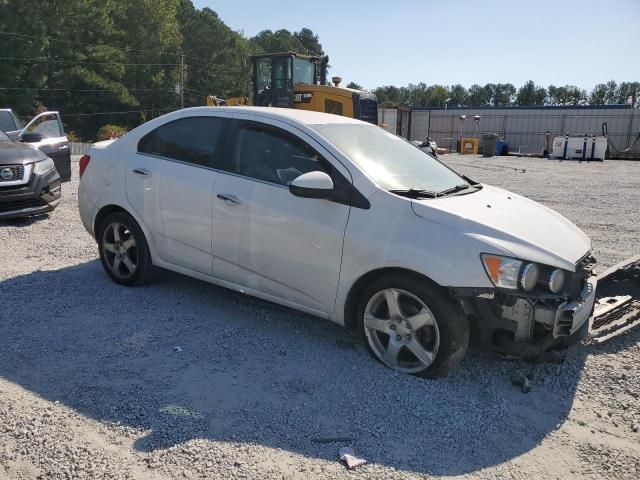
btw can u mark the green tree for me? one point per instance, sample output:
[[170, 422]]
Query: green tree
[[478, 96], [612, 93], [500, 94], [458, 95], [436, 95], [354, 85], [388, 96], [531, 94], [310, 42], [629, 92], [598, 95], [216, 56], [567, 95], [304, 42]]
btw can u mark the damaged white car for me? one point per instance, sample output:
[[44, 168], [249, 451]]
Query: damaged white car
[[341, 219]]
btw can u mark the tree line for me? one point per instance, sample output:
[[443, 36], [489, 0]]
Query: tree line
[[122, 61], [505, 95]]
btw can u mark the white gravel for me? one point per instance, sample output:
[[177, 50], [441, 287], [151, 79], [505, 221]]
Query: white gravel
[[92, 386]]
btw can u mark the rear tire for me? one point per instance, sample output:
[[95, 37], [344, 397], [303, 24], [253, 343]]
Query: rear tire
[[123, 250], [411, 325]]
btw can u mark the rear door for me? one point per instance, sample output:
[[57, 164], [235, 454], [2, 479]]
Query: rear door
[[264, 237], [45, 132], [169, 183]]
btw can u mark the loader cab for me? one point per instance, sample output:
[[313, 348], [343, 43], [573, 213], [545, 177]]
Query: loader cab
[[276, 75], [291, 80]]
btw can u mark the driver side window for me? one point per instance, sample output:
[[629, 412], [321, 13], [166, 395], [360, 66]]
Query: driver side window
[[272, 155], [47, 125]]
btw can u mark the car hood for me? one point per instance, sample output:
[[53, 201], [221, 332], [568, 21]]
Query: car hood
[[526, 229], [16, 153]]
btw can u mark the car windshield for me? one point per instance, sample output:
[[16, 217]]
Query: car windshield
[[391, 161], [3, 137]]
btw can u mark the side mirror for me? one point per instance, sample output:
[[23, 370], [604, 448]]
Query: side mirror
[[312, 185], [31, 137]]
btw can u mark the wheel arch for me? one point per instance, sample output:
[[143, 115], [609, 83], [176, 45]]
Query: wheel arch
[[356, 290], [103, 213]]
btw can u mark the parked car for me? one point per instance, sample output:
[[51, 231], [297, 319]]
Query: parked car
[[29, 181], [340, 219], [45, 132]]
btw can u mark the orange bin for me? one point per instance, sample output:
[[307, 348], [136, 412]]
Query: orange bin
[[469, 145]]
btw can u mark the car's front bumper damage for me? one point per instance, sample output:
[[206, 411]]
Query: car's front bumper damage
[[526, 325]]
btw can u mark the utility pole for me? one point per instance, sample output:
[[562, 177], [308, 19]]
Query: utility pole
[[182, 80]]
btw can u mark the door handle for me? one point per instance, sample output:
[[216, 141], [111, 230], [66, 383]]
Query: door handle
[[142, 172], [63, 147], [230, 199]]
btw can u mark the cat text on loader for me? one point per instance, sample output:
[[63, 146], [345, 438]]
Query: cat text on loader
[[291, 80]]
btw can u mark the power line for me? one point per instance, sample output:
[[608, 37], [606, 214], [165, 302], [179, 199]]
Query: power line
[[84, 89], [124, 49], [117, 113], [46, 60], [51, 39]]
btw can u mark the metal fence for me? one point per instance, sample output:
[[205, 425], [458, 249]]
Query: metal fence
[[79, 148], [525, 128]]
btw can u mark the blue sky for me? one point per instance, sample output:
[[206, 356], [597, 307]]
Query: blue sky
[[382, 42]]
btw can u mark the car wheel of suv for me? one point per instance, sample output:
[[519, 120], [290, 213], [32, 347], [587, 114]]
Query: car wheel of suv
[[123, 249], [411, 325]]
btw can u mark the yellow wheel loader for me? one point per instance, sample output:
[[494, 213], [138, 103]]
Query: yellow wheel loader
[[291, 80]]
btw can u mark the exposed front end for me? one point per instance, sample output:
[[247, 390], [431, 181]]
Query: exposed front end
[[540, 313]]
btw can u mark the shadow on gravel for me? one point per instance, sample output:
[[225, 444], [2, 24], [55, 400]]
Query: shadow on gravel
[[23, 221], [180, 359]]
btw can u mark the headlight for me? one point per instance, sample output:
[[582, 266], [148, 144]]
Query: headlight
[[529, 277], [504, 272], [554, 281], [43, 166]]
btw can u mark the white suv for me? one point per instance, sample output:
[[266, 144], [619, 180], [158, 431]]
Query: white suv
[[341, 219]]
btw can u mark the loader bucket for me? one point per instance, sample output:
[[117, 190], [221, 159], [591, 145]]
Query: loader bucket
[[617, 307]]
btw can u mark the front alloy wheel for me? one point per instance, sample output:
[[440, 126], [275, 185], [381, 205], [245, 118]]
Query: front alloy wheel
[[401, 330], [413, 325]]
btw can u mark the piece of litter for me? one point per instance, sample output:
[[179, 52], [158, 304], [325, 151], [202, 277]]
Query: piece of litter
[[331, 439], [177, 349], [349, 456]]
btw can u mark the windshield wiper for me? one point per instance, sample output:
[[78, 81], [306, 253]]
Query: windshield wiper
[[416, 193], [457, 188]]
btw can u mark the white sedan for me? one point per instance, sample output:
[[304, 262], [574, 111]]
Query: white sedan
[[340, 219]]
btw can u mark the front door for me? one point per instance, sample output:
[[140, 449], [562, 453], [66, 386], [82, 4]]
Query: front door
[[46, 133], [170, 184], [264, 237]]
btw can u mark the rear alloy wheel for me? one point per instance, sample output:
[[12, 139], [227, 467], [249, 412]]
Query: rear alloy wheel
[[123, 250], [413, 326]]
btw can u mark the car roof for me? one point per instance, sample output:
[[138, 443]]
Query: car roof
[[302, 116]]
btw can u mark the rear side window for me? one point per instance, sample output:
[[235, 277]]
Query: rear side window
[[193, 140], [6, 122], [272, 155]]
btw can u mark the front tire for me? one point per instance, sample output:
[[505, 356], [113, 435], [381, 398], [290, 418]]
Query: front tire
[[411, 325], [123, 249]]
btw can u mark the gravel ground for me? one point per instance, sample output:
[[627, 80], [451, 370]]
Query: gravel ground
[[93, 386]]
